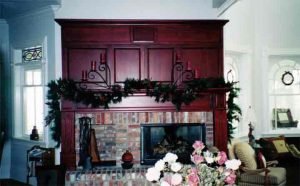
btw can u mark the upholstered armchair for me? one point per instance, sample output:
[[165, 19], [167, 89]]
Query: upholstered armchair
[[254, 169]]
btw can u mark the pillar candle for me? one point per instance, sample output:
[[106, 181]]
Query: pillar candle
[[188, 65], [93, 65], [102, 58], [196, 73]]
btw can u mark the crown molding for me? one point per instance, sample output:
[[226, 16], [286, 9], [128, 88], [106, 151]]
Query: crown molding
[[37, 12]]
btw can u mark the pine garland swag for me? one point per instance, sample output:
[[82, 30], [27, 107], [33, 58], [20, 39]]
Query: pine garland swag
[[69, 90]]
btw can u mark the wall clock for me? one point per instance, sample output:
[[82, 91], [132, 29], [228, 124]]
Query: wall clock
[[287, 78]]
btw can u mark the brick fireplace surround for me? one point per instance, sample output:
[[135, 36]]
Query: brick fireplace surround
[[141, 49], [118, 132]]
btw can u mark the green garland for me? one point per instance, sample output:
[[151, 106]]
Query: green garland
[[69, 90]]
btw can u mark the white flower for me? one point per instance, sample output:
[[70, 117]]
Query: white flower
[[233, 164], [152, 174], [176, 166], [170, 158], [209, 160], [160, 165], [208, 156], [176, 179], [164, 183]]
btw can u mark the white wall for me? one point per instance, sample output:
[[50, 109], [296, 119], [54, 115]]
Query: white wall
[[4, 93], [257, 25], [277, 27], [29, 30], [277, 23], [136, 9]]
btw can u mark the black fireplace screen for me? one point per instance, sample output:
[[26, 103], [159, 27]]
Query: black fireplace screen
[[158, 139]]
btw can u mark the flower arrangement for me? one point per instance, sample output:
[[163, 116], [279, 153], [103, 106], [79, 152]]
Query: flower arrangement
[[209, 169]]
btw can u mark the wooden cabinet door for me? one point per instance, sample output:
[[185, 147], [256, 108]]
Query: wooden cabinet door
[[160, 61], [127, 64], [206, 60]]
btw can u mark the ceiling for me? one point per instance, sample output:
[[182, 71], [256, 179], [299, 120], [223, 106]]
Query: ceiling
[[10, 8]]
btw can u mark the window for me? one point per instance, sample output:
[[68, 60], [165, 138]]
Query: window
[[231, 75], [33, 100], [284, 93], [237, 69], [29, 92]]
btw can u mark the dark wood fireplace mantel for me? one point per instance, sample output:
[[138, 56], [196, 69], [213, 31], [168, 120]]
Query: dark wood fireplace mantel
[[143, 49]]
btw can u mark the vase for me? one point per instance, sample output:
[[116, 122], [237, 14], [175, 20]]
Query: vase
[[127, 159]]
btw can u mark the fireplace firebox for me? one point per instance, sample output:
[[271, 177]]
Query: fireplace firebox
[[158, 139]]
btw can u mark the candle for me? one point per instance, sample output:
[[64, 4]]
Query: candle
[[188, 65], [196, 73], [102, 58], [93, 65]]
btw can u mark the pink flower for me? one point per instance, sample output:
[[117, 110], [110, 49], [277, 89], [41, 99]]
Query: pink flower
[[198, 145], [221, 158], [193, 171], [166, 180], [230, 179], [193, 178], [197, 159], [176, 179]]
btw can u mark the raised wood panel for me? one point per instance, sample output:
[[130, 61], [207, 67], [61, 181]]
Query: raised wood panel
[[68, 155], [127, 64], [205, 60], [143, 34], [160, 61], [96, 34], [187, 34], [80, 59], [220, 129]]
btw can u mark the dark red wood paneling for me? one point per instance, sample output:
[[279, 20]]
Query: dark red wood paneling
[[220, 129], [127, 64], [203, 59], [187, 34], [68, 154], [143, 34], [143, 49], [160, 61], [97, 33], [80, 60]]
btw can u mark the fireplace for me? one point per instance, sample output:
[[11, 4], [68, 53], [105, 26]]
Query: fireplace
[[158, 139]]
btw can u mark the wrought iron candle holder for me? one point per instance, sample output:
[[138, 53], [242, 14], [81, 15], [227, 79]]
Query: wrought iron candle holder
[[99, 74], [181, 73]]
